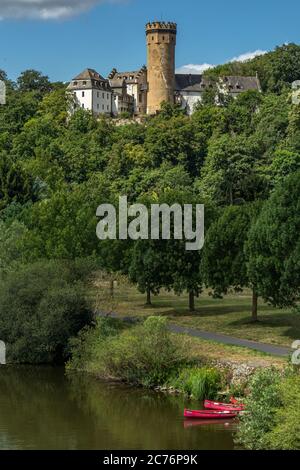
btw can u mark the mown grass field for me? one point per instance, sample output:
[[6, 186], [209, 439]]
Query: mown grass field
[[230, 315]]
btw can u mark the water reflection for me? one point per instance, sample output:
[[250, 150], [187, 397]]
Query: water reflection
[[42, 408]]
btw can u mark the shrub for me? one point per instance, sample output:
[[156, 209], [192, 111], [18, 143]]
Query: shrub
[[263, 400], [144, 354], [199, 383], [42, 306], [83, 348], [286, 433]]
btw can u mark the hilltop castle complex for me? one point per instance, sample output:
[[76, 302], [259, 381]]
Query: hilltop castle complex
[[142, 92]]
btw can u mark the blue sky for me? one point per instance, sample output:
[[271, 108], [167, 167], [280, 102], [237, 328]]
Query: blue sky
[[62, 37]]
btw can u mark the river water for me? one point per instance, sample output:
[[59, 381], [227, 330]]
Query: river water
[[42, 408]]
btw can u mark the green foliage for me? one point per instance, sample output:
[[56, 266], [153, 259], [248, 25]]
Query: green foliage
[[284, 163], [273, 245], [229, 173], [42, 306], [16, 185], [262, 402], [12, 235], [199, 383], [224, 262], [31, 80], [83, 348], [145, 354], [285, 435]]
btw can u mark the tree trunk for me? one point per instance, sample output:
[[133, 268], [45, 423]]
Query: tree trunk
[[254, 306], [192, 301], [148, 302], [111, 288]]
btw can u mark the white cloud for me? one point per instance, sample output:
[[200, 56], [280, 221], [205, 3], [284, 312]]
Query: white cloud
[[46, 9], [200, 68], [248, 56], [194, 68]]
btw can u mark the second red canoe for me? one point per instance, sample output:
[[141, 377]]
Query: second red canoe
[[213, 405], [207, 414]]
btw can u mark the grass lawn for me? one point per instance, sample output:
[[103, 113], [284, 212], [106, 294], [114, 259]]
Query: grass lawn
[[230, 315], [199, 349]]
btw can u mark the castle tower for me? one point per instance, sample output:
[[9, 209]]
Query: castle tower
[[161, 42]]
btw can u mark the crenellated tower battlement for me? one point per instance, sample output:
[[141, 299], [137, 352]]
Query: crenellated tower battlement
[[159, 26]]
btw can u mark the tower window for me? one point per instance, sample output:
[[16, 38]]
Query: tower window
[[83, 94]]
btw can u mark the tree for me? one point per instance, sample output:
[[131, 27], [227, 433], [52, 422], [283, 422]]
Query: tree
[[285, 162], [229, 172], [42, 306], [224, 262], [185, 268], [11, 243], [32, 80], [15, 184], [174, 140], [273, 245], [149, 267]]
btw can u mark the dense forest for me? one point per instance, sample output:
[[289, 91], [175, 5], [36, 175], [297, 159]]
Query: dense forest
[[241, 159]]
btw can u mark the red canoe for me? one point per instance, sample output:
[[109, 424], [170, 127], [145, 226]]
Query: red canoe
[[206, 414], [213, 405]]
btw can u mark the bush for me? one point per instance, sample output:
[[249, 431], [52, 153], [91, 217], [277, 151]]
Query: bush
[[42, 306], [286, 433], [83, 348], [144, 354], [199, 383], [263, 401]]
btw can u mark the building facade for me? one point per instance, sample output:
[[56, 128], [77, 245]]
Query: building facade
[[143, 91], [92, 92], [189, 89], [136, 86]]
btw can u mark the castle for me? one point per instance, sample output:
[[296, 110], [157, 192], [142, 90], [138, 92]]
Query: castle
[[142, 92]]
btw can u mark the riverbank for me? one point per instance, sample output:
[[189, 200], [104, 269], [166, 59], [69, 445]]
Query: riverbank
[[148, 355]]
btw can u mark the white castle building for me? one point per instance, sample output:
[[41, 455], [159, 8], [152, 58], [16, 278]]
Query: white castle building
[[142, 92]]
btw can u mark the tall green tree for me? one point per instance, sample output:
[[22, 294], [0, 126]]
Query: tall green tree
[[274, 245], [224, 261]]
